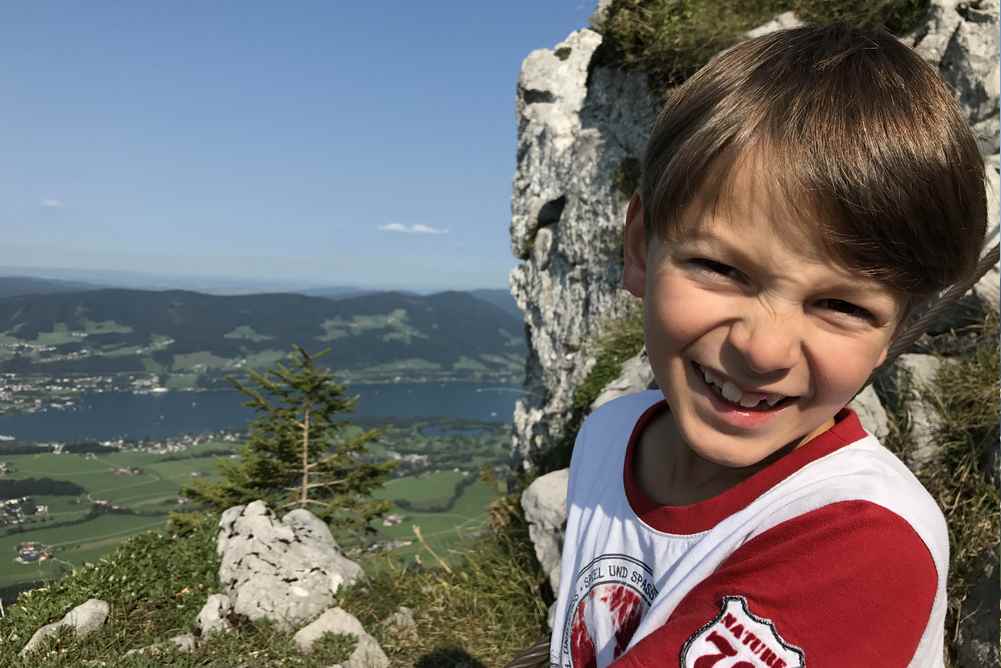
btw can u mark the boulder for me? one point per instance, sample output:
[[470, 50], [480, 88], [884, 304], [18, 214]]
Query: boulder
[[909, 385], [545, 506], [977, 646], [214, 615], [367, 653], [83, 619], [871, 413], [286, 571]]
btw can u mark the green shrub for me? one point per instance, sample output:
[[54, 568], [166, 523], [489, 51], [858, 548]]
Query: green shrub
[[671, 39]]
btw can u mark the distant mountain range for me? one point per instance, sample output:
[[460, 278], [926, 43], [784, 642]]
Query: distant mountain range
[[56, 327]]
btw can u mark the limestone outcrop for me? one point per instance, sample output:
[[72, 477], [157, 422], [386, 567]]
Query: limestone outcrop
[[581, 128], [284, 570]]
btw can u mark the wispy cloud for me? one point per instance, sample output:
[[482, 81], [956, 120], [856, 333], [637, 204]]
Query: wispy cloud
[[51, 203], [413, 229]]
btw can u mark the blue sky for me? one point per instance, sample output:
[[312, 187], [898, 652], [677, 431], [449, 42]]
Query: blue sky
[[333, 143]]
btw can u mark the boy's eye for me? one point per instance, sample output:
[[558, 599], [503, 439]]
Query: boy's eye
[[716, 268], [847, 308]]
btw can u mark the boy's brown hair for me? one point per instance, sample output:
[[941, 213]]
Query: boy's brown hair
[[857, 135]]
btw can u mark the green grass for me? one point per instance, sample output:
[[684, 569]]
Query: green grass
[[443, 531], [482, 608], [966, 396], [77, 536]]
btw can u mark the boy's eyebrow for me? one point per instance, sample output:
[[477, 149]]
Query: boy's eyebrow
[[846, 283]]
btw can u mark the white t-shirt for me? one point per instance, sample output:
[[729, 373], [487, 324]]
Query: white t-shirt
[[834, 555]]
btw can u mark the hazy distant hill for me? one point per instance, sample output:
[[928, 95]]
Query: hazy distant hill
[[501, 297], [445, 335], [27, 285], [340, 292]]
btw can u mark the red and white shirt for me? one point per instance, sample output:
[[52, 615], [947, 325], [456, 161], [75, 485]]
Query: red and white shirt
[[834, 555]]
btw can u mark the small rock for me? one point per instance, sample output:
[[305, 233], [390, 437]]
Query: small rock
[[402, 623], [83, 619], [185, 642], [545, 506], [214, 615], [367, 653], [780, 22]]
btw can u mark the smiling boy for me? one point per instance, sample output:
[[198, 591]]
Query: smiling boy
[[802, 195]]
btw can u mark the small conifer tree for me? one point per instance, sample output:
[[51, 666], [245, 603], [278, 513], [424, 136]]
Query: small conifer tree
[[296, 456]]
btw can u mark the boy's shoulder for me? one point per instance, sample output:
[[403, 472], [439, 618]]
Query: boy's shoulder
[[621, 412], [605, 433]]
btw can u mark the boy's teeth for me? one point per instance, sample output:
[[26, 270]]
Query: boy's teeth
[[733, 394], [774, 399]]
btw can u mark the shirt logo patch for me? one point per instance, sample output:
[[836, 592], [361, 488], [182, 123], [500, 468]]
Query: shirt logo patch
[[608, 600], [737, 638]]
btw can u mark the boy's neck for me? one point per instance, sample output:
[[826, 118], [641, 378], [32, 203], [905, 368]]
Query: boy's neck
[[671, 474]]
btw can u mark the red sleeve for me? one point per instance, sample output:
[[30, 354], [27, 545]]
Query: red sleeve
[[850, 584]]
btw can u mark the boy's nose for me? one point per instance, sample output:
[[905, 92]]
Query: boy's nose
[[766, 342]]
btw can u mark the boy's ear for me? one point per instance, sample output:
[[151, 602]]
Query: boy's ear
[[882, 355], [634, 249]]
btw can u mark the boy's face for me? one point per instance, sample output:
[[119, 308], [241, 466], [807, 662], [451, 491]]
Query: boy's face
[[741, 298]]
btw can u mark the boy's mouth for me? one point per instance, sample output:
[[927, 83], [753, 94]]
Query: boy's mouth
[[727, 391]]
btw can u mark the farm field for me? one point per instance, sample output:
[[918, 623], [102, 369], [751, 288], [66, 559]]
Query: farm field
[[74, 529], [449, 505]]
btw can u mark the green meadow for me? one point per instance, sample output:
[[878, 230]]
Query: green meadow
[[449, 506]]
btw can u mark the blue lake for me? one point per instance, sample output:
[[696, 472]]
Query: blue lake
[[112, 415]]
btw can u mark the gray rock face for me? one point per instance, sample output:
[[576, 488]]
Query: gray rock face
[[582, 128], [915, 375], [84, 619], [980, 618], [545, 506], [213, 616], [286, 571], [367, 653], [636, 376], [871, 413], [961, 40]]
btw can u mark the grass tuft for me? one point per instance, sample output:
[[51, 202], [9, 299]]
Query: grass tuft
[[966, 396], [671, 39], [482, 613]]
